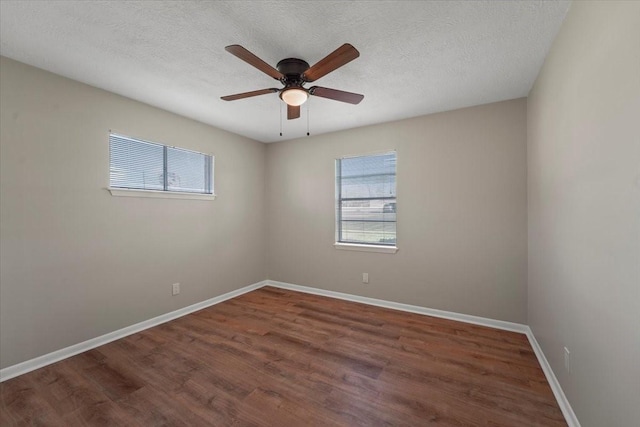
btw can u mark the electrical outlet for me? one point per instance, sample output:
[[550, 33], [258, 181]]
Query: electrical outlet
[[365, 277], [567, 360], [176, 289]]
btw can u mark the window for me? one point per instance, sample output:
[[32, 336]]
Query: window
[[141, 165], [366, 200]]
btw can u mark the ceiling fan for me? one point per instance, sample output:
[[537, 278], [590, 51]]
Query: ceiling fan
[[294, 73]]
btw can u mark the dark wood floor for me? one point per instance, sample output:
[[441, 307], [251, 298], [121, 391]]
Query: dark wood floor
[[280, 358]]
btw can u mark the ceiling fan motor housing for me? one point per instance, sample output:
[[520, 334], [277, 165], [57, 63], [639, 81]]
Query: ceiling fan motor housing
[[293, 68]]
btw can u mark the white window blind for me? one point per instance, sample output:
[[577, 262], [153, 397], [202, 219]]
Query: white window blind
[[143, 165], [366, 202]]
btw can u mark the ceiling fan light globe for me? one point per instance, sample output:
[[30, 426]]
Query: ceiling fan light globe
[[294, 97]]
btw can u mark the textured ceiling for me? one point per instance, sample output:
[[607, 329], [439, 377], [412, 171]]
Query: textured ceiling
[[415, 57]]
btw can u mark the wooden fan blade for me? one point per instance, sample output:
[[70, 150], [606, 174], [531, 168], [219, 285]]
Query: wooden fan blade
[[251, 59], [293, 112], [337, 95], [248, 94], [336, 59]]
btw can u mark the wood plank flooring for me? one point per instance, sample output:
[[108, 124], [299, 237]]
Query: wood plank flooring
[[280, 358]]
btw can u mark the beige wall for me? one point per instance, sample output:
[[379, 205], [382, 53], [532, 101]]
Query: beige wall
[[75, 261], [461, 212], [584, 210]]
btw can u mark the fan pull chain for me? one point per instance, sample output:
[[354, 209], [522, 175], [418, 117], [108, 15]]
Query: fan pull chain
[[280, 107], [307, 118]]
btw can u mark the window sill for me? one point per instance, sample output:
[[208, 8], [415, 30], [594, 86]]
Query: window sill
[[127, 192], [366, 248]]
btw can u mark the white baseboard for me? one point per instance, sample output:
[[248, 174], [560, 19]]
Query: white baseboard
[[563, 403], [58, 355], [466, 318]]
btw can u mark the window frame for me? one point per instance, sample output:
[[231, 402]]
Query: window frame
[[165, 193], [352, 246]]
